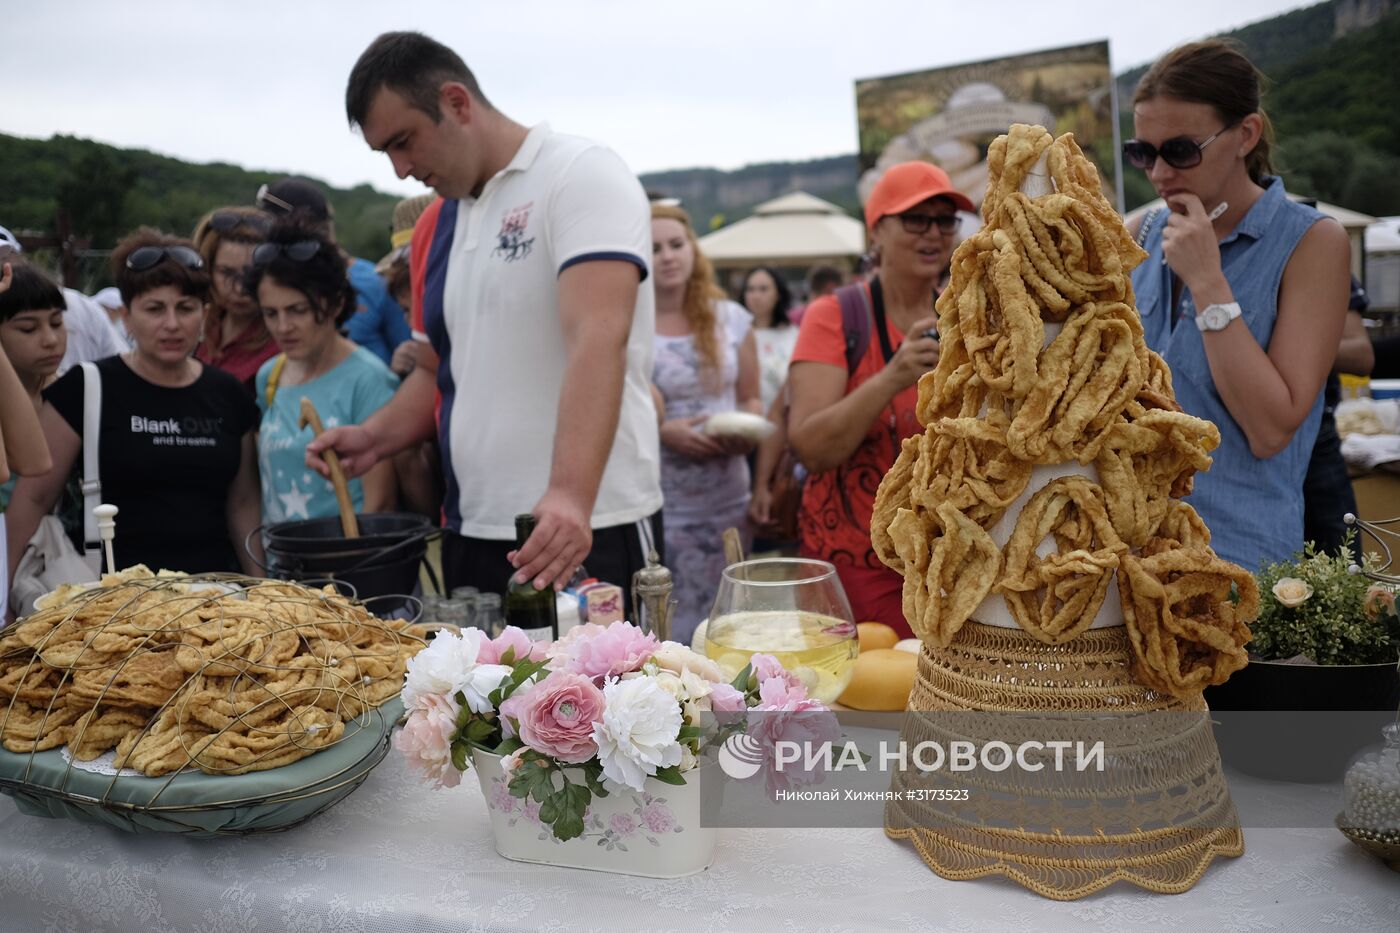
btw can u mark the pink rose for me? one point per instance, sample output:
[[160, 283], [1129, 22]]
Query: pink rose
[[597, 652], [789, 715], [556, 716], [624, 824], [1380, 600], [426, 740], [511, 637], [658, 817], [766, 668], [725, 699]]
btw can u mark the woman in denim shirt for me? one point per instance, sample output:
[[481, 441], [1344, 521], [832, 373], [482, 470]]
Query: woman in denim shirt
[[1244, 293]]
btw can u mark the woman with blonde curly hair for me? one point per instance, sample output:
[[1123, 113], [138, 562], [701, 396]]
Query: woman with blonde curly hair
[[706, 363]]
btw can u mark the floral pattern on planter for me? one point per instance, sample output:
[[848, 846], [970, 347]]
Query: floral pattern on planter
[[649, 818]]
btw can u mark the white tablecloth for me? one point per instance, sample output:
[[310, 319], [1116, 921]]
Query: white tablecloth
[[396, 856]]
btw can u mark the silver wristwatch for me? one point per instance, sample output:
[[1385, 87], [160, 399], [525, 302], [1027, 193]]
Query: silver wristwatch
[[1217, 317]]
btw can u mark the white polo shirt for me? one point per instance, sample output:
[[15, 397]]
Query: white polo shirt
[[491, 310]]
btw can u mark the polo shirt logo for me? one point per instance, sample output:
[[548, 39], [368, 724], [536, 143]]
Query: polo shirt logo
[[510, 242]]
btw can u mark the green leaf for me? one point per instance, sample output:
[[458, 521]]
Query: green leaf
[[568, 825], [459, 755], [741, 682], [478, 730], [549, 812], [671, 775], [541, 786], [507, 746], [578, 796], [519, 787], [463, 715], [509, 657], [689, 734]]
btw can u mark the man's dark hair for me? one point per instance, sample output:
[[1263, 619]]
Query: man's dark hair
[[824, 277], [409, 64], [321, 277], [30, 290]]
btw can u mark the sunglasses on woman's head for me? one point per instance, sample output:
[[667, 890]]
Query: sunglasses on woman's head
[[918, 224], [228, 221], [300, 251], [146, 257], [1179, 152]]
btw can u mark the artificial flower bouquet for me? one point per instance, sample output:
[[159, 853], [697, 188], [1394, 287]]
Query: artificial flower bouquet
[[1316, 609], [605, 709]]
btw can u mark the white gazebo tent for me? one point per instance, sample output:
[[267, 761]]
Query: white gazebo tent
[[1383, 264], [1354, 223], [796, 229]]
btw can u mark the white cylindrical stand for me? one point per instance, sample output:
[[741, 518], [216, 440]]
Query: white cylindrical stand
[[993, 610], [107, 531]]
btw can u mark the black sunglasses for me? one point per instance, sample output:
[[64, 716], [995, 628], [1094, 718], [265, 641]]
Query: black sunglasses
[[146, 257], [919, 224], [1179, 152], [300, 251], [228, 221]]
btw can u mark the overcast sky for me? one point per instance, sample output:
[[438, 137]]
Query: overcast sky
[[717, 83]]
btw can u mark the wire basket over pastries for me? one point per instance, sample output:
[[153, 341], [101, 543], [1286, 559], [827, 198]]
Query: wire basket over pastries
[[196, 704]]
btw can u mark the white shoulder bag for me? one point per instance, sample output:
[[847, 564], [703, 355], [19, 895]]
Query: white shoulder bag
[[50, 560]]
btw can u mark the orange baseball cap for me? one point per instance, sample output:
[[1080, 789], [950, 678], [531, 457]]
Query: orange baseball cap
[[908, 183]]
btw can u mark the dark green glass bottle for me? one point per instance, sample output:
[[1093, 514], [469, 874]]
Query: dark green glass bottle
[[533, 611]]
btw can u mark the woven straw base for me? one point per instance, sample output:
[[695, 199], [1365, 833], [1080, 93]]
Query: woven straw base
[[1155, 816]]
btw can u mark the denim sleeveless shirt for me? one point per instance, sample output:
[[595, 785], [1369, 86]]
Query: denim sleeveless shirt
[[1253, 507]]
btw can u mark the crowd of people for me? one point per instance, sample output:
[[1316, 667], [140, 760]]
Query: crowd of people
[[545, 338]]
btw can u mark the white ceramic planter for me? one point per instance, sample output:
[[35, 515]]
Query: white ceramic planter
[[655, 833]]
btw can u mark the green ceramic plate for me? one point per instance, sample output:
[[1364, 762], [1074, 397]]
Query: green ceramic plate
[[201, 804]]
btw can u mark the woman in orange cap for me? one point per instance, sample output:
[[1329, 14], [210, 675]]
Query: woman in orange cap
[[854, 374]]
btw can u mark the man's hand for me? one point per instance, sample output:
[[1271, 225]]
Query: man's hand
[[352, 443], [561, 540]]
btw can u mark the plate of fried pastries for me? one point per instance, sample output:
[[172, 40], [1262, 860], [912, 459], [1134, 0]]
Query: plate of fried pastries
[[206, 705]]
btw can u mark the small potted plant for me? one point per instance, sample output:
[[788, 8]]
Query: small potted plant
[[588, 749], [1326, 639]]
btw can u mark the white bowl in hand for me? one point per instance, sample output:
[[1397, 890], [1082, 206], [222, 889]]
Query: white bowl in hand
[[743, 424]]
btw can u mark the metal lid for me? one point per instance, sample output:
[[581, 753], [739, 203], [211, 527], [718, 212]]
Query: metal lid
[[653, 575]]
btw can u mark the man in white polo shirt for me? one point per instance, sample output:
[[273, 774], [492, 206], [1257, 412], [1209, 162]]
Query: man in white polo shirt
[[528, 282]]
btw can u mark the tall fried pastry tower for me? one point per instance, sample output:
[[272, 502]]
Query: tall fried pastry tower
[[1059, 585]]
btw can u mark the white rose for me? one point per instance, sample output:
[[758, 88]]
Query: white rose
[[688, 759], [696, 687], [671, 684], [441, 667], [674, 656], [1292, 592], [637, 734], [481, 680]]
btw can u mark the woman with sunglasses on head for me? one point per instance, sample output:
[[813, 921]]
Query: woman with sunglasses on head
[[298, 279], [1244, 293], [853, 404], [235, 338], [175, 451]]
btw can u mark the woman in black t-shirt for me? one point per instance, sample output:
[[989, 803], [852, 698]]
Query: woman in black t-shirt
[[176, 451]]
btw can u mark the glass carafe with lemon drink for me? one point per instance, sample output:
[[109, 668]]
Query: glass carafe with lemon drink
[[792, 608]]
